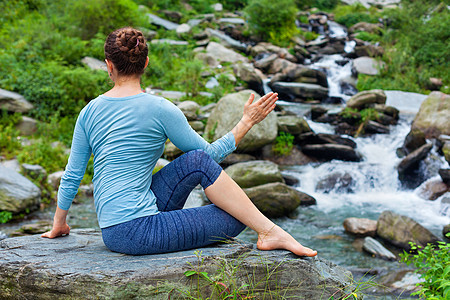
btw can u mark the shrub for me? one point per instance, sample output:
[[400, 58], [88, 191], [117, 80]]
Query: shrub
[[272, 20], [42, 153], [349, 15], [283, 144], [102, 16], [9, 141], [320, 4], [433, 265]]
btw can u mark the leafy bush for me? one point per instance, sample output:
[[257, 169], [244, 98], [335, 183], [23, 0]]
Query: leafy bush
[[272, 20], [433, 265], [42, 153], [349, 15], [283, 144], [9, 141], [320, 4], [5, 216], [102, 16], [369, 37]]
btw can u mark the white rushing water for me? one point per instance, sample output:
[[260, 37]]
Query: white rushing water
[[376, 186]]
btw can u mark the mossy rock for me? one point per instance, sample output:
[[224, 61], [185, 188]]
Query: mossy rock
[[433, 116]]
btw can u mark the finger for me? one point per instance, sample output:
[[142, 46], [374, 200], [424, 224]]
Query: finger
[[270, 101], [250, 99]]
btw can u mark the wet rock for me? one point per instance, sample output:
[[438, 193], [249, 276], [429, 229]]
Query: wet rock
[[411, 161], [247, 73], [375, 127], [375, 248], [295, 157], [223, 54], [367, 65], [94, 64], [340, 182], [17, 193], [445, 175], [189, 109], [360, 226], [227, 114], [290, 180], [253, 173], [234, 21], [275, 199], [34, 171], [332, 151], [446, 230], [323, 138], [30, 270], [293, 125], [413, 141], [367, 27], [300, 90], [367, 98], [27, 126], [317, 111], [307, 75], [154, 19], [14, 102], [432, 189], [3, 235], [54, 179], [433, 116], [235, 158], [403, 282], [400, 230], [212, 83]]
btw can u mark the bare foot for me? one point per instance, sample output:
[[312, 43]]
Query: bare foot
[[277, 238]]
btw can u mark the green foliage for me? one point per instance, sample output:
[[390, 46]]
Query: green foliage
[[89, 174], [272, 20], [416, 47], [368, 114], [283, 144], [9, 141], [42, 153], [309, 35], [5, 216], [190, 75], [349, 15], [369, 37], [102, 16], [320, 4], [433, 265]]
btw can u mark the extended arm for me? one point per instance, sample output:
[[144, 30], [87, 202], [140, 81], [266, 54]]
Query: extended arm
[[185, 138], [68, 188]]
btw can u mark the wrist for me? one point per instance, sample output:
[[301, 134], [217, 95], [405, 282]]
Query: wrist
[[247, 122]]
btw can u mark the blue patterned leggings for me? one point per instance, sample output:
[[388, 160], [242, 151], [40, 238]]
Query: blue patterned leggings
[[174, 228]]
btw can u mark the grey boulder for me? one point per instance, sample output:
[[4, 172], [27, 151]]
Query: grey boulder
[[17, 193], [79, 266], [14, 102], [253, 173]]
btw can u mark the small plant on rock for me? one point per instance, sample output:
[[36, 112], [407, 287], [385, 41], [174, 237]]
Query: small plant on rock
[[283, 144]]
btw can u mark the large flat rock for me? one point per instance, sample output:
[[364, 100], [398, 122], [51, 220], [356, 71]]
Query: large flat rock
[[79, 266]]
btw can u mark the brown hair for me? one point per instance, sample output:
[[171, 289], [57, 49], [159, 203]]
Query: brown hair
[[127, 49]]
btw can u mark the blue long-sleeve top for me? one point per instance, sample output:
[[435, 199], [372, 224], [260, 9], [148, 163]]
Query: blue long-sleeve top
[[127, 137]]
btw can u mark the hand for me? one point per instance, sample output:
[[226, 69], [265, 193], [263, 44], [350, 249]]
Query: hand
[[256, 112], [58, 230]]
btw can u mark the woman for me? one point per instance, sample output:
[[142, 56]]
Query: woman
[[126, 131]]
